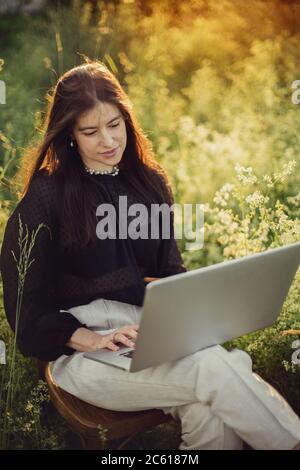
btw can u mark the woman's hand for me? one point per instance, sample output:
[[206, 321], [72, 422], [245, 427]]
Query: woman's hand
[[85, 340], [123, 335], [150, 279]]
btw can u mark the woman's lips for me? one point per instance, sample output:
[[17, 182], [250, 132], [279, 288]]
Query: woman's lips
[[111, 153]]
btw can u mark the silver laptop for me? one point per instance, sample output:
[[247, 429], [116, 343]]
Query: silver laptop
[[190, 311]]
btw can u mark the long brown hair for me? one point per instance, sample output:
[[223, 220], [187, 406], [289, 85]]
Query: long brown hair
[[77, 91]]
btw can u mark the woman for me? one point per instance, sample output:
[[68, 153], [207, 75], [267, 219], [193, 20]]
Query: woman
[[80, 286]]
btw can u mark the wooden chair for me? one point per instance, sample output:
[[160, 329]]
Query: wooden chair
[[99, 428]]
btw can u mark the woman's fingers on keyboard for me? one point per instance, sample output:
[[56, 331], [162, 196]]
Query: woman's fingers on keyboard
[[133, 334], [123, 339]]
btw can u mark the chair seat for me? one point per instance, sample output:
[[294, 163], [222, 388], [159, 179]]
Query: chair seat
[[87, 420]]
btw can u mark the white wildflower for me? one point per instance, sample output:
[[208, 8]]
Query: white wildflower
[[268, 180], [286, 171], [29, 407], [245, 175], [225, 217], [221, 197], [256, 199]]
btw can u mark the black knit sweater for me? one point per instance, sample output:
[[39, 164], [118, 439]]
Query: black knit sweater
[[112, 269]]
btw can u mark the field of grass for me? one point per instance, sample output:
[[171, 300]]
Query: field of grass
[[211, 85]]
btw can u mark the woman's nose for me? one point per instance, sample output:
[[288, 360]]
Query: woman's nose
[[105, 137]]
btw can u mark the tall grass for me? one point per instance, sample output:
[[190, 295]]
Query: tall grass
[[23, 262], [210, 83]]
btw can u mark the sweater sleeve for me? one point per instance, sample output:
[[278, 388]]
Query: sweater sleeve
[[27, 264], [170, 259]]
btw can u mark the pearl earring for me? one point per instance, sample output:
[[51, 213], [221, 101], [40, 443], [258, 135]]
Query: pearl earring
[[72, 143]]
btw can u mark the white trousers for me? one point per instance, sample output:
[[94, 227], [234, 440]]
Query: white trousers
[[219, 401]]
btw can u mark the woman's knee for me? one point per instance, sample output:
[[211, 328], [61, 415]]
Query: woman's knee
[[243, 357], [218, 358], [218, 369]]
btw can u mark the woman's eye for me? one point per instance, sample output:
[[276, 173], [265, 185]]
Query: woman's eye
[[113, 125]]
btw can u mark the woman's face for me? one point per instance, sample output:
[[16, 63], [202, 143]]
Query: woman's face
[[98, 130]]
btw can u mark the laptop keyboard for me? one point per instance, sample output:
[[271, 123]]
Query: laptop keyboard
[[128, 354]]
